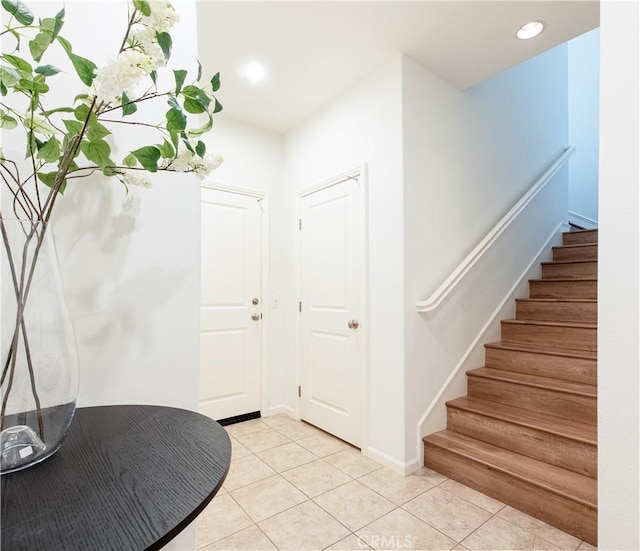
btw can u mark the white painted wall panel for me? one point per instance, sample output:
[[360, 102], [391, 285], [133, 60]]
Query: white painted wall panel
[[468, 158], [584, 87], [619, 279]]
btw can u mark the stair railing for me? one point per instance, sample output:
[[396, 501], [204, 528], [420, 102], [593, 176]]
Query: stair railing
[[449, 284]]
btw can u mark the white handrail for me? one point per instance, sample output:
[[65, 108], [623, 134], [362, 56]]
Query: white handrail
[[472, 258]]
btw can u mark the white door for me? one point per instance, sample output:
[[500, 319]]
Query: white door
[[230, 304], [332, 309]]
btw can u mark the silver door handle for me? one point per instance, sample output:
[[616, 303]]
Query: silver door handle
[[255, 317], [353, 324]]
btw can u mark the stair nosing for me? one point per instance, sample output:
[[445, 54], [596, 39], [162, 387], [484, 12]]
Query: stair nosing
[[549, 351], [551, 323], [563, 262], [577, 245], [511, 418], [510, 472], [503, 375], [562, 279], [554, 300]]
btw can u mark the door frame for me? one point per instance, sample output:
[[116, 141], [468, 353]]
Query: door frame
[[360, 174], [263, 198]]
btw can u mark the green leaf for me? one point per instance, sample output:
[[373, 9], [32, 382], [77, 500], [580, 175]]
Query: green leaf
[[187, 143], [193, 106], [215, 82], [8, 75], [195, 99], [32, 86], [179, 76], [176, 120], [195, 132], [50, 150], [21, 64], [59, 22], [109, 170], [49, 179], [80, 97], [218, 107], [47, 70], [154, 77], [130, 160], [57, 110], [85, 68], [201, 149], [82, 112], [199, 71], [96, 131], [38, 46], [142, 6], [97, 151], [19, 10], [173, 102], [148, 157], [3, 89], [73, 127], [165, 42], [7, 121], [128, 108], [166, 150]]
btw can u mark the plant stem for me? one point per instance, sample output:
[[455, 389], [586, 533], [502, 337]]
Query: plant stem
[[21, 290]]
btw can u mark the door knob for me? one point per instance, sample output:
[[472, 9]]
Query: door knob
[[255, 317], [255, 301], [353, 324]]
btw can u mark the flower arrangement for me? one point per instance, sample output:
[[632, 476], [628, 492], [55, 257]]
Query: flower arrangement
[[67, 139]]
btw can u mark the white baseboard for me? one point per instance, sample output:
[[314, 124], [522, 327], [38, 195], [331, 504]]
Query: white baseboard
[[582, 221], [401, 467], [276, 410]]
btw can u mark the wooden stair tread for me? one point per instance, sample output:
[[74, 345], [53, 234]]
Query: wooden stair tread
[[554, 300], [575, 246], [559, 385], [564, 352], [556, 262], [539, 421], [564, 279], [568, 484], [578, 324]]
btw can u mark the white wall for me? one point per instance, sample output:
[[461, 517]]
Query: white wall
[[363, 126], [584, 86], [131, 262], [469, 157], [619, 279]]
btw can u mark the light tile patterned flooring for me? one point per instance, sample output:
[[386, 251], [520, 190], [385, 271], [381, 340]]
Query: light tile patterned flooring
[[292, 486]]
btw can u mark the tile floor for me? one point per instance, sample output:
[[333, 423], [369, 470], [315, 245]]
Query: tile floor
[[293, 486]]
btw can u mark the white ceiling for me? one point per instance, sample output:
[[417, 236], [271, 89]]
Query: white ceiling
[[314, 51]]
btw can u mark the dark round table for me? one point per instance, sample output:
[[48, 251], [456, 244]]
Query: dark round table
[[126, 478]]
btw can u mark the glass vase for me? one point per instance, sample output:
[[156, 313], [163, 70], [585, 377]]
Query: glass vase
[[39, 378]]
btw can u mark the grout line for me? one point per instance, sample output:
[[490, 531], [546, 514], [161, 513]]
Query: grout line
[[357, 479]]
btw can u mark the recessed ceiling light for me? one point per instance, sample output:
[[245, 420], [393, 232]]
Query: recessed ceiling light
[[255, 72], [530, 30]]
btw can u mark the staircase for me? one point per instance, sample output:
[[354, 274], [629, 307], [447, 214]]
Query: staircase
[[525, 433]]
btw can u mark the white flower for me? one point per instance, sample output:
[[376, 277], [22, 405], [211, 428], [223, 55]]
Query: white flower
[[186, 162], [183, 161], [121, 74], [162, 17], [144, 38], [204, 167], [132, 179]]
